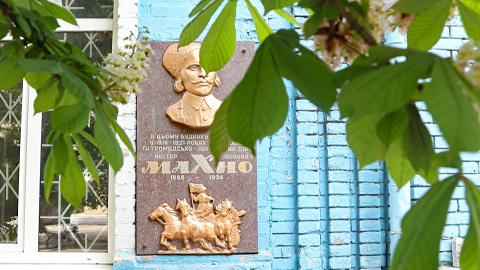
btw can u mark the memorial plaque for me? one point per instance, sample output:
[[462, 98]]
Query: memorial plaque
[[184, 203]]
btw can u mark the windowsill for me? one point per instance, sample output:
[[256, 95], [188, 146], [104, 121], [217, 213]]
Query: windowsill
[[56, 258], [56, 266]]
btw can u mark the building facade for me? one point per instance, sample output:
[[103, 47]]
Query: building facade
[[316, 209]]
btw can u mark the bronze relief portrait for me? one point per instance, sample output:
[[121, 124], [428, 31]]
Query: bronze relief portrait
[[197, 107]]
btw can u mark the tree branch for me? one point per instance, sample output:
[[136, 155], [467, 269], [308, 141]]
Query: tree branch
[[354, 23]]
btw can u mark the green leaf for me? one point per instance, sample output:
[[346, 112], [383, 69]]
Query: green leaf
[[121, 133], [65, 98], [310, 75], [47, 96], [259, 104], [414, 6], [308, 3], [23, 3], [276, 4], [88, 137], [36, 80], [48, 175], [359, 10], [219, 44], [70, 119], [76, 87], [390, 86], [321, 11], [311, 25], [392, 126], [106, 141], [398, 165], [72, 183], [425, 30], [329, 11], [86, 158], [40, 65], [263, 30], [219, 136], [287, 16], [60, 155], [431, 176], [198, 24], [24, 26], [4, 29], [459, 123], [361, 137], [470, 20], [59, 12], [470, 256], [448, 159], [199, 7], [11, 72], [422, 229], [383, 55], [472, 4], [8, 49], [418, 142]]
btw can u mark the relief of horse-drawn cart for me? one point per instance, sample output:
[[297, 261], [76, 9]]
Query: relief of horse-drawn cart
[[207, 224]]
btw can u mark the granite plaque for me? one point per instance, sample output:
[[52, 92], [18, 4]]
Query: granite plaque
[[184, 203]]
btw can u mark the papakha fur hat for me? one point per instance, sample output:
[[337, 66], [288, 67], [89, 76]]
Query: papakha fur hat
[[173, 57]]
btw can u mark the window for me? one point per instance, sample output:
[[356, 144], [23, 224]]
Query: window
[[31, 229]]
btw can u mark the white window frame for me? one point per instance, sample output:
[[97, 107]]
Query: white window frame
[[25, 253]]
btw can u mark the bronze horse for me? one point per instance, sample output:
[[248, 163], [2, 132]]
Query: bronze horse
[[191, 228], [171, 225], [226, 223]]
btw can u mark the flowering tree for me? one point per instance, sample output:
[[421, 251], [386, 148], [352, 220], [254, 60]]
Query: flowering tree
[[70, 86], [378, 91]]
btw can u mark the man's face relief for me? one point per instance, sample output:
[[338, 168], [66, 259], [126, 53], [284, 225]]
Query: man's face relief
[[193, 75]]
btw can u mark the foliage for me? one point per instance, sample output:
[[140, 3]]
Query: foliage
[[8, 230], [70, 86], [378, 92]]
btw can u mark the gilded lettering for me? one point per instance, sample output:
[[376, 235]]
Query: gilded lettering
[[230, 167], [245, 166], [201, 163], [154, 168], [182, 166]]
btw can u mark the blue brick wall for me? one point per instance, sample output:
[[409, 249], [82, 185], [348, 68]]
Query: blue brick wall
[[458, 215], [351, 229], [453, 36]]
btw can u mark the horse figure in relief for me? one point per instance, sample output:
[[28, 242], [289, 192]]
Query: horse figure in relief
[[226, 223], [198, 231], [205, 224], [171, 225]]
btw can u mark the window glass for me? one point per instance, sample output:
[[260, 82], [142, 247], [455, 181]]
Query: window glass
[[95, 45], [64, 228], [10, 116], [61, 227], [89, 8]]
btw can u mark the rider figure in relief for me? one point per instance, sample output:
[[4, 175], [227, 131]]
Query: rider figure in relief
[[204, 210]]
